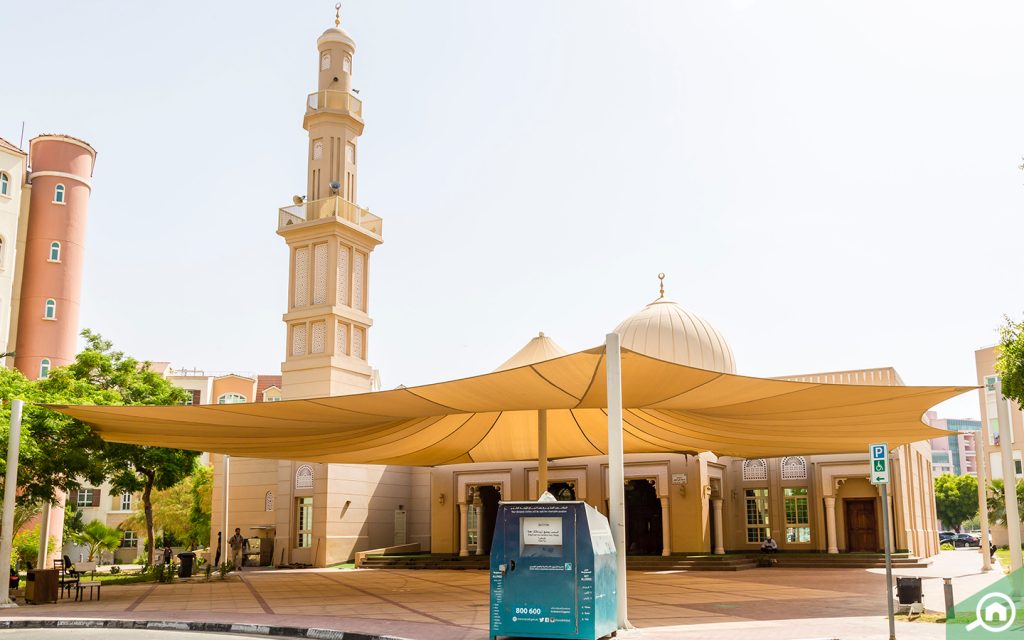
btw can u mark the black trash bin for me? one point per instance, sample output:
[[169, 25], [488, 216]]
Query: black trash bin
[[908, 590], [186, 560]]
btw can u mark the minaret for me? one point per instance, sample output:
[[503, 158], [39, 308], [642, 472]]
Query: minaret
[[330, 239]]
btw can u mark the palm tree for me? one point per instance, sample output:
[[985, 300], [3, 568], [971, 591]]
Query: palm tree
[[97, 537], [997, 504]]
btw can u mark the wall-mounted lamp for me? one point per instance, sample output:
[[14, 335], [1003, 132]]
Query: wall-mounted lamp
[[705, 491], [440, 499]]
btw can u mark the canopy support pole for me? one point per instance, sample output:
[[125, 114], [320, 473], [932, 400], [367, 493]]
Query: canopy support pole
[[224, 539], [616, 473], [10, 495], [1009, 487], [984, 548], [542, 452]]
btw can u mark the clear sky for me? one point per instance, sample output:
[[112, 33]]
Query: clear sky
[[833, 185]]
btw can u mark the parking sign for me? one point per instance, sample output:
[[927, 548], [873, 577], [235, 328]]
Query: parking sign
[[879, 463]]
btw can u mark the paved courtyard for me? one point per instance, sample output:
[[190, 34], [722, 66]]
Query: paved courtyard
[[436, 605]]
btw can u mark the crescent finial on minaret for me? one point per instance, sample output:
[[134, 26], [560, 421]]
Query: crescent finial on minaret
[[661, 282], [337, 15]]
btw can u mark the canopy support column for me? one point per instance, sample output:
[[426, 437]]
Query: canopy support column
[[1009, 486], [542, 452], [10, 495], [983, 480], [616, 472], [224, 539]]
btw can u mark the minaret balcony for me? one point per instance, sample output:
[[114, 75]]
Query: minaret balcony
[[329, 101], [331, 207]]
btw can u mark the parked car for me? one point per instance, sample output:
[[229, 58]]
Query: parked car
[[947, 536], [966, 540]]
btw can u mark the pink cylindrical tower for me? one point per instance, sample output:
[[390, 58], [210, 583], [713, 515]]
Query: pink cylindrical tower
[[51, 285]]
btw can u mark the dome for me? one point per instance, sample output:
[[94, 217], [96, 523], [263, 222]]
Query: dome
[[336, 34], [538, 349], [666, 331]]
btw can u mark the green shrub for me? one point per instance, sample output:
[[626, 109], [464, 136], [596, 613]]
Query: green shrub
[[25, 547], [114, 570]]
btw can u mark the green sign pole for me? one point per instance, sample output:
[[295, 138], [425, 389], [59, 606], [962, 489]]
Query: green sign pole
[[888, 560]]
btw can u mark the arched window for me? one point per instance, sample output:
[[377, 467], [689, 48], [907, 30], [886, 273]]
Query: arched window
[[58, 194], [5, 184], [231, 398], [755, 469], [55, 251], [44, 368], [268, 501], [794, 468], [304, 477], [51, 309]]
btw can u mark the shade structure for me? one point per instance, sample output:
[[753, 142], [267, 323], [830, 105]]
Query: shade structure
[[488, 418]]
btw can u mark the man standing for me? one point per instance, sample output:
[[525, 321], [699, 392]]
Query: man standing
[[236, 541]]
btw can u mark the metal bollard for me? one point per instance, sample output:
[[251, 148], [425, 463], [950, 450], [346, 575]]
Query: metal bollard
[[947, 588]]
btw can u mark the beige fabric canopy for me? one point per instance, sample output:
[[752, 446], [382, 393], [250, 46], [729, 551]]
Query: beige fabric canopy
[[493, 417]]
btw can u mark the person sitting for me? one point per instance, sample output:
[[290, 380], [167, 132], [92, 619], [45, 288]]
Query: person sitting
[[769, 546]]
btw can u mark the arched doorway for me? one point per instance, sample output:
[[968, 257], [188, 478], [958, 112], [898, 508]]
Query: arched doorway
[[643, 518], [489, 497]]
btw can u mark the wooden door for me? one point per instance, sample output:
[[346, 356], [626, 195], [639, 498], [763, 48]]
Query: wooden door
[[861, 525]]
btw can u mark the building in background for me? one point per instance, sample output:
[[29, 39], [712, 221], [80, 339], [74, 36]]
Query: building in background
[[13, 209], [955, 453], [44, 205], [991, 431]]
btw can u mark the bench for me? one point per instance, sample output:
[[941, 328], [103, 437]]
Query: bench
[[82, 586]]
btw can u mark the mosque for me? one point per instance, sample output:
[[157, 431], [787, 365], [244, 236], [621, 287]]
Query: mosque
[[323, 513]]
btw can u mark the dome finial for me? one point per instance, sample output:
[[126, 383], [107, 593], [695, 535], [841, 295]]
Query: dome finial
[[661, 282], [337, 15]]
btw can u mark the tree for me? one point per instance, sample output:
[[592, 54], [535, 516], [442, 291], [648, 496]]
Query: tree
[[118, 379], [181, 512], [57, 453], [956, 499], [997, 503], [202, 506], [97, 537], [1011, 359]]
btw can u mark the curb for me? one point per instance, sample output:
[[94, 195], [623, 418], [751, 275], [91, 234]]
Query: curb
[[176, 625]]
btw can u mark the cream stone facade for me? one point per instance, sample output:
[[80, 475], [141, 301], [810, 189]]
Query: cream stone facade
[[989, 440]]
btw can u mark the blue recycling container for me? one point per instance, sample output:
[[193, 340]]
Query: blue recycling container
[[552, 571]]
